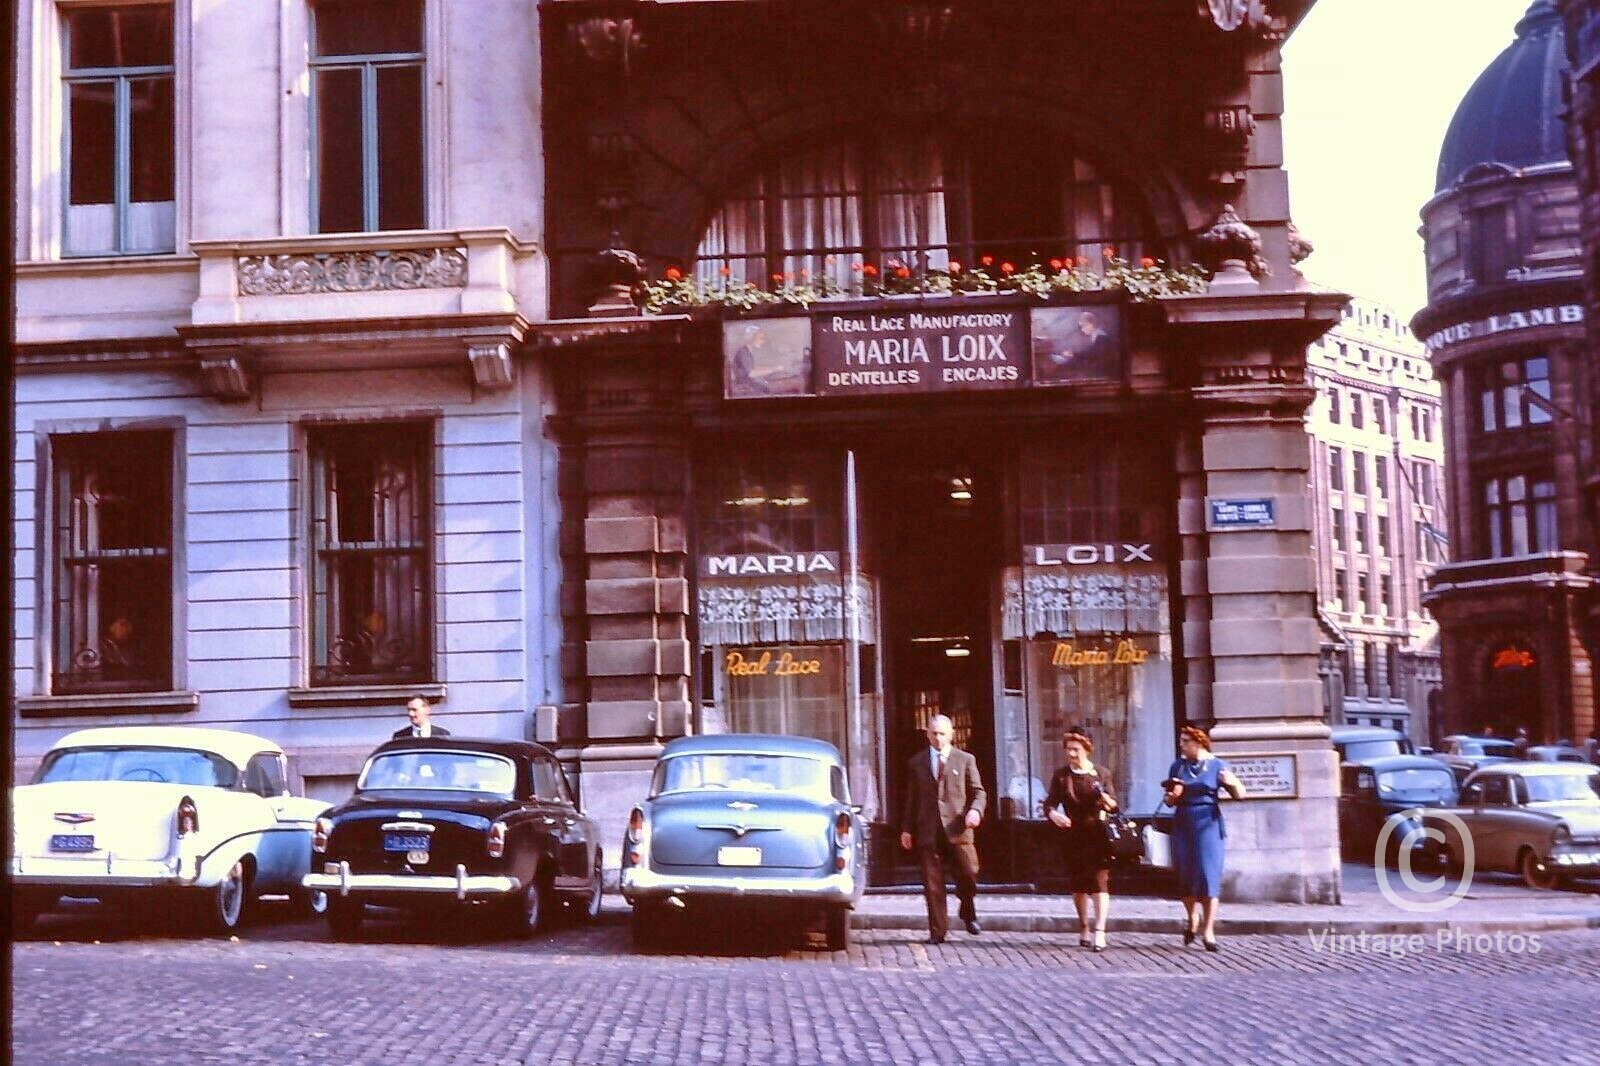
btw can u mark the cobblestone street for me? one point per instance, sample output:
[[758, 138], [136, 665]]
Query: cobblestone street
[[86, 992]]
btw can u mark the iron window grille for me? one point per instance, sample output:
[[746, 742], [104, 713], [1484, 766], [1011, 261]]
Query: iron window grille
[[112, 548], [367, 106], [372, 559], [118, 146]]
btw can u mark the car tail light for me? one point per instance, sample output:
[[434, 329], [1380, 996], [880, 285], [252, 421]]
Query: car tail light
[[636, 827], [841, 827], [841, 840], [320, 834], [188, 817], [497, 840]]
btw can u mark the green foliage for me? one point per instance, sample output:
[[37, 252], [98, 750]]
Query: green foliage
[[1148, 280]]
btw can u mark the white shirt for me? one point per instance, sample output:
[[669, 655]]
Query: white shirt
[[934, 755], [422, 730]]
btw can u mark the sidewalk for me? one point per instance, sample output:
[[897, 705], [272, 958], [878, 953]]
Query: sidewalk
[[1493, 903]]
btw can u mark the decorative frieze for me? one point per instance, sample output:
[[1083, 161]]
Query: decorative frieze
[[352, 271]]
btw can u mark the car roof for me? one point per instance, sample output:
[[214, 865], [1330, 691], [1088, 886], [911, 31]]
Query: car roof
[[1479, 736], [1536, 769], [752, 743], [1558, 748], [1381, 763], [1343, 733], [511, 749], [232, 745]]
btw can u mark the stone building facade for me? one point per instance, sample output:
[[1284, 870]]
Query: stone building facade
[[360, 324], [1504, 327], [1378, 485]]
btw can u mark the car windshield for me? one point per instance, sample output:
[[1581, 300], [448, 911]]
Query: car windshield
[[177, 766], [1499, 749], [742, 772], [1363, 750], [459, 771], [1418, 781], [1563, 788]]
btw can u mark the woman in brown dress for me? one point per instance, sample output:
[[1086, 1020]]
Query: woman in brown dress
[[1080, 795]]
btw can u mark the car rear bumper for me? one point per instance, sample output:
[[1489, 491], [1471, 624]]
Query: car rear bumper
[[461, 884], [110, 872], [642, 884]]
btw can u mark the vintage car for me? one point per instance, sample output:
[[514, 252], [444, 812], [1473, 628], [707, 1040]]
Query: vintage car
[[1358, 743], [1390, 789], [1541, 820], [1464, 754], [1556, 753], [157, 817], [457, 822], [746, 821]]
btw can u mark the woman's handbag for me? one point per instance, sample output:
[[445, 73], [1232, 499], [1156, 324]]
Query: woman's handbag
[[1157, 845], [1123, 841]]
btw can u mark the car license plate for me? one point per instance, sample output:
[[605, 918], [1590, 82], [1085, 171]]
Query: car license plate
[[738, 856], [406, 841], [72, 842]]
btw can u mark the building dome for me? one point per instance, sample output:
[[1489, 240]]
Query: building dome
[[1512, 115]]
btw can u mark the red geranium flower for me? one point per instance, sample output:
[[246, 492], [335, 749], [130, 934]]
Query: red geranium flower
[[1056, 264], [1008, 268], [902, 272], [987, 260], [724, 270], [673, 273], [777, 277], [1108, 251], [955, 267], [1147, 262], [870, 271]]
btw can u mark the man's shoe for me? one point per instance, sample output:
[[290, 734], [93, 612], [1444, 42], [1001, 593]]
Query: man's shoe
[[973, 927], [935, 938]]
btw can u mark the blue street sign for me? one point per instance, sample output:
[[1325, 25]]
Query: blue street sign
[[1242, 514]]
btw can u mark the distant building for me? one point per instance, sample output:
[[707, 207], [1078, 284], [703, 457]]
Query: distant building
[[1504, 327], [1380, 528]]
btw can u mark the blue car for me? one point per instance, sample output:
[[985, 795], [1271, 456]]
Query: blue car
[[745, 821], [1390, 790]]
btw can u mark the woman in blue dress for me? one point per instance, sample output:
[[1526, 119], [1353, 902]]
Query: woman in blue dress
[[1192, 786]]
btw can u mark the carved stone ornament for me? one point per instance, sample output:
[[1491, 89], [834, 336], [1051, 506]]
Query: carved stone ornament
[[1300, 248], [615, 273], [607, 41], [492, 366], [1230, 247], [227, 377], [356, 271], [1229, 15], [1228, 128]]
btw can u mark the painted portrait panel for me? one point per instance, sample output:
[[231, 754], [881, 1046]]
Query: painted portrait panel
[[766, 357], [1077, 344]]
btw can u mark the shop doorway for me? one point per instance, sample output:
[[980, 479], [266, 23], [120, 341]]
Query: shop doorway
[[935, 536]]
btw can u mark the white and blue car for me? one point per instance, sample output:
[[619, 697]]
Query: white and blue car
[[167, 819], [746, 821]]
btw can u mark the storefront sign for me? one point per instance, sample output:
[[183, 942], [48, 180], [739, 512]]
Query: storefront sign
[[1512, 657], [1506, 322], [769, 663], [1269, 776], [1086, 554], [882, 352], [771, 565], [1067, 655], [1242, 514], [890, 351]]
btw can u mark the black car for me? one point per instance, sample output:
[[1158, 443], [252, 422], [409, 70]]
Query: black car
[[458, 822], [1389, 790]]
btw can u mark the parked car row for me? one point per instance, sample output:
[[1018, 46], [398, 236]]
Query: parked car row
[[1472, 802], [202, 820]]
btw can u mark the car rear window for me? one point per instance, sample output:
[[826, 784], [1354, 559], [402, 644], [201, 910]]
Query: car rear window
[[1362, 750], [459, 771], [743, 772], [177, 766], [1440, 783]]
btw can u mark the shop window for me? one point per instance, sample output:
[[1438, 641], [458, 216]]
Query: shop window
[[1510, 394], [367, 105], [920, 202], [1338, 529], [372, 559], [1336, 469], [112, 545], [119, 140], [1519, 514]]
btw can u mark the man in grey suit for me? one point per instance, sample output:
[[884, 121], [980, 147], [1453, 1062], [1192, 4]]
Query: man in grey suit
[[945, 802]]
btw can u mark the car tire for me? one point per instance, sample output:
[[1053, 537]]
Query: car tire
[[310, 902], [228, 902], [838, 928], [1536, 873], [648, 925], [528, 911], [345, 917], [586, 908]]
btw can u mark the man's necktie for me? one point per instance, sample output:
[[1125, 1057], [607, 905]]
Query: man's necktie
[[940, 771]]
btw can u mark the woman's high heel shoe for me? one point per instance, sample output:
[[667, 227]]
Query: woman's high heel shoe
[[1212, 945], [1188, 937], [1099, 941], [1083, 939]]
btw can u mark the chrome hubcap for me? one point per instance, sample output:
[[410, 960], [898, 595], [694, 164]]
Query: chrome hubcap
[[232, 894]]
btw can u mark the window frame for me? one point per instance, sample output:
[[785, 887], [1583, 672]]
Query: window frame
[[49, 576], [320, 684], [65, 76], [368, 64]]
